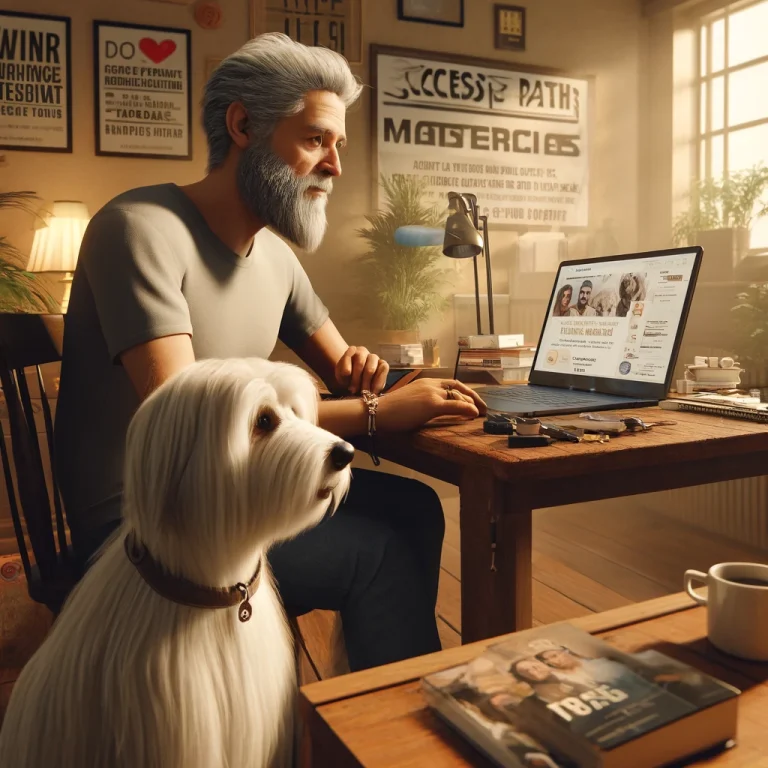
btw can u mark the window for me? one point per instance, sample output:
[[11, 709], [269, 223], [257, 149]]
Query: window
[[733, 95]]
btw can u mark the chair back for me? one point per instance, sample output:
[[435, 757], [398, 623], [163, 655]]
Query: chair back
[[28, 341]]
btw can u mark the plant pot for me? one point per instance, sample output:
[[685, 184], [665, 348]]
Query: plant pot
[[398, 337], [723, 250]]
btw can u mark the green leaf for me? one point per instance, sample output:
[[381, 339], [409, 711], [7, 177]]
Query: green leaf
[[20, 290], [404, 283]]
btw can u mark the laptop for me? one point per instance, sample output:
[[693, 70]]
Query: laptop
[[610, 337]]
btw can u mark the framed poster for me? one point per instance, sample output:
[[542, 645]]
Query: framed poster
[[35, 82], [142, 91], [517, 137], [449, 13], [509, 27], [334, 24]]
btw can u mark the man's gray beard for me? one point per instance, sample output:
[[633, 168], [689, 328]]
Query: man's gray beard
[[279, 198]]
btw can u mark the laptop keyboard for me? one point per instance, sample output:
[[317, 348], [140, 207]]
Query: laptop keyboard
[[541, 397]]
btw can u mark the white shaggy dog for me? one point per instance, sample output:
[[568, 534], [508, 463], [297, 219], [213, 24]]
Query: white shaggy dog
[[221, 461]]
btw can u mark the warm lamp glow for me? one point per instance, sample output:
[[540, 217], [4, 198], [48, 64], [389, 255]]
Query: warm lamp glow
[[57, 245]]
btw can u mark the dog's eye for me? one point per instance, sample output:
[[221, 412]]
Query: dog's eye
[[266, 421]]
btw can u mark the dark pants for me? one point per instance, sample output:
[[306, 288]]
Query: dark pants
[[376, 561]]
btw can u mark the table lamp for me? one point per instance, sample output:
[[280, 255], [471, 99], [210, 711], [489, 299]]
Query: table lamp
[[463, 240], [57, 244]]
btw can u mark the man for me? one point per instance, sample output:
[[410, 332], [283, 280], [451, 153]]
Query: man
[[169, 274], [568, 667], [582, 307]]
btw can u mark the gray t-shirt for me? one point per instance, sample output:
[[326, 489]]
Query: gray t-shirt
[[150, 266]]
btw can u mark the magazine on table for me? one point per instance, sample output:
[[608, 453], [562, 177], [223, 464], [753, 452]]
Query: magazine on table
[[557, 696]]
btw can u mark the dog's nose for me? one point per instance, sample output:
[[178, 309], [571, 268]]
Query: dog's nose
[[342, 454]]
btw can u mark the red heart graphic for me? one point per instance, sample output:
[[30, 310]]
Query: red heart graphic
[[155, 51]]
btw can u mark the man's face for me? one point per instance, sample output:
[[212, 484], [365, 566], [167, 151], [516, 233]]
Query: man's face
[[533, 669], [584, 293], [560, 659], [286, 179]]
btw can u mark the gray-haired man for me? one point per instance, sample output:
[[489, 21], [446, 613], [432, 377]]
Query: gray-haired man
[[169, 274]]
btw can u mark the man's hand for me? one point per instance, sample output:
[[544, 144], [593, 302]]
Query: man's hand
[[416, 403], [359, 369]]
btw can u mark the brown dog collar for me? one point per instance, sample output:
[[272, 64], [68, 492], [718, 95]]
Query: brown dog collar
[[179, 590]]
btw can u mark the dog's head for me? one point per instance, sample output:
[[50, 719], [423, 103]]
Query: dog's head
[[605, 302], [225, 458], [631, 287]]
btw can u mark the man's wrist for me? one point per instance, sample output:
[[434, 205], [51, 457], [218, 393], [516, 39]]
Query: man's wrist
[[345, 417]]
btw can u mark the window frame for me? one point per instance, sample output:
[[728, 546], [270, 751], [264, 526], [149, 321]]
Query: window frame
[[703, 82]]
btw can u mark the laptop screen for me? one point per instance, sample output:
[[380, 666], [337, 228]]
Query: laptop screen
[[614, 324]]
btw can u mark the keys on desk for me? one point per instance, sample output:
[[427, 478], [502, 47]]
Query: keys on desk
[[635, 423]]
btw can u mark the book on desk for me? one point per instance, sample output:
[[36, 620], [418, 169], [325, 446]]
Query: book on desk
[[557, 696], [735, 406]]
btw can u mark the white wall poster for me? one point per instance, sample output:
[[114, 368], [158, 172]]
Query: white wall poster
[[142, 91], [35, 82], [517, 139]]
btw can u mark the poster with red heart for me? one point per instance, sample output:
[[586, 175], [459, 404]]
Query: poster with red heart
[[143, 91]]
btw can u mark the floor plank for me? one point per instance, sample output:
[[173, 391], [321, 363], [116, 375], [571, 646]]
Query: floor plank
[[580, 588], [601, 569], [449, 637], [316, 631], [449, 600]]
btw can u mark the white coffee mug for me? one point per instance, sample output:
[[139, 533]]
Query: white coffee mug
[[737, 613]]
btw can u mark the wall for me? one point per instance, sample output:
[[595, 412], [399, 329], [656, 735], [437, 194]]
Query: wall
[[602, 39]]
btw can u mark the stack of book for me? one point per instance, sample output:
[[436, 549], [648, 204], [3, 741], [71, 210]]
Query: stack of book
[[495, 366], [557, 696], [399, 355]]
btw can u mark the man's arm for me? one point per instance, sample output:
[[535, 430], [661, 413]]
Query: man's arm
[[149, 364], [322, 352], [341, 367]]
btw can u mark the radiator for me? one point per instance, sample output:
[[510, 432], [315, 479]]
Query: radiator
[[736, 509]]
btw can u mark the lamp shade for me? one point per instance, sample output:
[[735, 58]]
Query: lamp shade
[[56, 246], [462, 240]]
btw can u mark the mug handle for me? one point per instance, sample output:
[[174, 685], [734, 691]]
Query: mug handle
[[695, 576]]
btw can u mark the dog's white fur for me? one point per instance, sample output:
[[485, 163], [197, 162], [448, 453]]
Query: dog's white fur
[[128, 679]]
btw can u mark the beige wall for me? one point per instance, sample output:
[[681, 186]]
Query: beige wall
[[603, 38]]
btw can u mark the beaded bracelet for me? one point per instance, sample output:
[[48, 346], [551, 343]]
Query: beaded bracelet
[[371, 402]]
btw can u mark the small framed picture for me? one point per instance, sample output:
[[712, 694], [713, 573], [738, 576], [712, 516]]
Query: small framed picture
[[449, 13], [509, 27], [335, 24], [142, 94]]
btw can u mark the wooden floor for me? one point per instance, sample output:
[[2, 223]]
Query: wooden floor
[[587, 558], [593, 557]]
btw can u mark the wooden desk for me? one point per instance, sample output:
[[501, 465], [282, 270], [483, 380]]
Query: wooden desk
[[500, 488], [379, 719]]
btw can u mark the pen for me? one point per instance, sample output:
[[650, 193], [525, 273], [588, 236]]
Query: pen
[[559, 434]]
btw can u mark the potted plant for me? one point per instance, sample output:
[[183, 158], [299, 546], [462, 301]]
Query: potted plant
[[403, 283], [719, 219], [750, 324], [20, 291]]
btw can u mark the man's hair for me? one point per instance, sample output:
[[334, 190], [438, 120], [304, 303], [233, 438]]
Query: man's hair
[[270, 76], [587, 284]]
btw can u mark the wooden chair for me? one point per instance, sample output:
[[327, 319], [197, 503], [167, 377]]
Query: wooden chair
[[29, 341]]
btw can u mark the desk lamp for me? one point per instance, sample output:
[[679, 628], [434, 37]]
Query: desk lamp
[[57, 244], [463, 240]]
